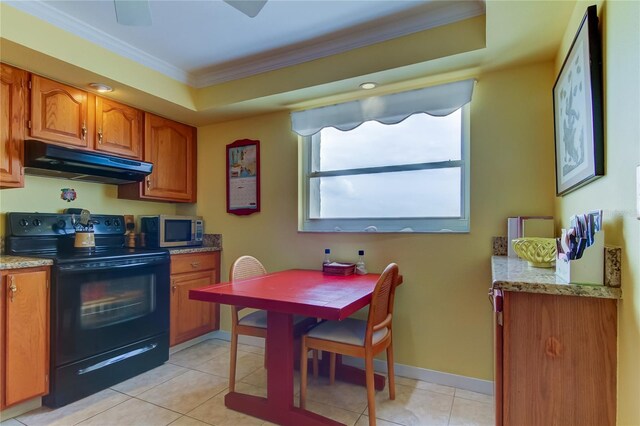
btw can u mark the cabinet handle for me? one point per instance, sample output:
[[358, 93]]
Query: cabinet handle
[[195, 264], [173, 289], [84, 131], [100, 136], [148, 182], [12, 287]]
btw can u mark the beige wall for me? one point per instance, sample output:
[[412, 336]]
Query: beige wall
[[615, 192], [443, 320], [43, 195]]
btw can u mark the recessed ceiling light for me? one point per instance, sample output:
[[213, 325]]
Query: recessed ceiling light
[[101, 88], [368, 85]]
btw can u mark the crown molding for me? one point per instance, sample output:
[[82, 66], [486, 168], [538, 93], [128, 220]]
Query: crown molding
[[46, 12], [434, 14]]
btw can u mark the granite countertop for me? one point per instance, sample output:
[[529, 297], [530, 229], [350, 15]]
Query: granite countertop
[[514, 274], [17, 262], [184, 250]]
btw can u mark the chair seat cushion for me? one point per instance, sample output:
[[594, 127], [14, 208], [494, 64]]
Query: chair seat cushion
[[350, 331], [258, 319]]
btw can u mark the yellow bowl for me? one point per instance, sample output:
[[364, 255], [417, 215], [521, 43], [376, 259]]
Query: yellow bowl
[[539, 252]]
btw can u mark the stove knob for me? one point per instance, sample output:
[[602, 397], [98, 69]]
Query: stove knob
[[60, 224], [116, 222], [107, 222], [37, 222], [24, 222]]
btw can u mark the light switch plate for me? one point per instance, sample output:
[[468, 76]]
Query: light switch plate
[[638, 192]]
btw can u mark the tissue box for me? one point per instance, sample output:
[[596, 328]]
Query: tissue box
[[336, 268]]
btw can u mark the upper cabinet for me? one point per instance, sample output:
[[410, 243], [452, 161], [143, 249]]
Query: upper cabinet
[[118, 128], [13, 102], [60, 113], [65, 115], [171, 147]]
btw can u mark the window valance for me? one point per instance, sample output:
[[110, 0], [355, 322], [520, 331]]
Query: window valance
[[389, 109]]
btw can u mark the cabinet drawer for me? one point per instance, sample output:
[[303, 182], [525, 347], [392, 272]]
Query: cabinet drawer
[[193, 262]]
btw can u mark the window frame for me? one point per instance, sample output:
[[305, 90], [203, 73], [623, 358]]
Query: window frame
[[307, 192]]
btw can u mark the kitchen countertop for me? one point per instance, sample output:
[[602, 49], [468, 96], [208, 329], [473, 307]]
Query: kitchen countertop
[[17, 262], [184, 250], [514, 274]]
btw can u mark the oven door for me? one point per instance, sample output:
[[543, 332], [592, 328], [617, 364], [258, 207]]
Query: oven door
[[102, 305]]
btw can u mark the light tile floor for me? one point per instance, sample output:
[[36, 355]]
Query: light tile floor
[[189, 391]]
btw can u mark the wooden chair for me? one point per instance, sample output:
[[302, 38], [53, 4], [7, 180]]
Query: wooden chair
[[359, 338], [255, 323]]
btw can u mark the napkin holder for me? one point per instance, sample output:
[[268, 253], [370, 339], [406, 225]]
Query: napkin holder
[[589, 269]]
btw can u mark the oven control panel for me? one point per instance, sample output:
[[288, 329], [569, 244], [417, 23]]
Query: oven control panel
[[53, 224]]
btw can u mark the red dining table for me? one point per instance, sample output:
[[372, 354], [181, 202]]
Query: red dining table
[[283, 294]]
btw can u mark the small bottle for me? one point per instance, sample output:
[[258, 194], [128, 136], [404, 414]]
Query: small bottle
[[326, 260], [360, 268]]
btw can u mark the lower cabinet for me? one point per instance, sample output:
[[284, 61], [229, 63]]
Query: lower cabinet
[[192, 318], [24, 335], [555, 360]]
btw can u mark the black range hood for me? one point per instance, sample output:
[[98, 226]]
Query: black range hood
[[43, 159]]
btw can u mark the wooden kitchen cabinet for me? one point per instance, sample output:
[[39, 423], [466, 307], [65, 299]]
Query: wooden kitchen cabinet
[[13, 113], [555, 360], [118, 128], [24, 335], [192, 318], [171, 147], [61, 114]]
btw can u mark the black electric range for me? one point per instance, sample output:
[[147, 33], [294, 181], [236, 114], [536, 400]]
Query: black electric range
[[109, 304]]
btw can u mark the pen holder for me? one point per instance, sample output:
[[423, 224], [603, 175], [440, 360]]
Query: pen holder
[[589, 269]]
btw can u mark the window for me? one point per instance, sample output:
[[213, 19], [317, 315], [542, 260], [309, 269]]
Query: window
[[412, 176]]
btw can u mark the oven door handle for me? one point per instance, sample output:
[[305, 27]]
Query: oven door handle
[[84, 268], [116, 359]]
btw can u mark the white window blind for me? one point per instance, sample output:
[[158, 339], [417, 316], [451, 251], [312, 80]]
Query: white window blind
[[437, 101]]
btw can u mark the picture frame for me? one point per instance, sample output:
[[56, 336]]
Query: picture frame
[[578, 111], [243, 177]]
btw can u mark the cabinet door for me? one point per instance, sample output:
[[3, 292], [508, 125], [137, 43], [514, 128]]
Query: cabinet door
[[559, 360], [26, 300], [12, 124], [118, 128], [191, 318], [171, 147], [59, 113]]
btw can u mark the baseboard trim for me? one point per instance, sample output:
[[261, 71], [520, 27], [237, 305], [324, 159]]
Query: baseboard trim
[[433, 376], [380, 365], [19, 409]]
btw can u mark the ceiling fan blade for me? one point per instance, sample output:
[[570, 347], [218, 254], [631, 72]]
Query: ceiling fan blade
[[133, 12], [251, 8]]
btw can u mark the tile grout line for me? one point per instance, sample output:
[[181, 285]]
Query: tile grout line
[[103, 411]]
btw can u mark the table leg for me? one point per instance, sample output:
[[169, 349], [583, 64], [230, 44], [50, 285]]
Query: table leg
[[278, 406]]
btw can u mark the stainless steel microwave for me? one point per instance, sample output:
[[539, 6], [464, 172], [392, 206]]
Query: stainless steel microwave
[[172, 231]]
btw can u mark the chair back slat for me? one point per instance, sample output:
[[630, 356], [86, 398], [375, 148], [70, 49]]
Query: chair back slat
[[382, 297]]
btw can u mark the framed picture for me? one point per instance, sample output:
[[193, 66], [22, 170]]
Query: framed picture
[[577, 108], [243, 177]]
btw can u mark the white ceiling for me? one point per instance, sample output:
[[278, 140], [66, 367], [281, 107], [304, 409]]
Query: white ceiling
[[207, 42], [316, 52]]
